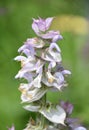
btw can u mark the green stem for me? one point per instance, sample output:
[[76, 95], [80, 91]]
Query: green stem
[[43, 100]]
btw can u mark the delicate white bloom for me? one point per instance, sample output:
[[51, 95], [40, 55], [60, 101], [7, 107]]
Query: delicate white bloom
[[29, 66], [65, 72], [52, 53], [37, 81], [41, 25], [30, 45], [54, 114], [20, 58], [54, 35], [35, 42], [56, 80], [54, 46], [30, 93], [51, 65], [31, 60]]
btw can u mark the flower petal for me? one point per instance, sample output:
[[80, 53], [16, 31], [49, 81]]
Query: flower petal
[[53, 35], [53, 45], [51, 65], [37, 81], [32, 95], [68, 107], [20, 58], [80, 128], [33, 108], [55, 115], [48, 22], [66, 72], [35, 27], [28, 66], [52, 53], [56, 80], [41, 25]]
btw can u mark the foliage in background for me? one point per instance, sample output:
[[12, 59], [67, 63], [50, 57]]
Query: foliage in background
[[15, 20]]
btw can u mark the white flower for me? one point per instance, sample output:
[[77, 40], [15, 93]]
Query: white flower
[[54, 114], [37, 81], [56, 80], [52, 53], [30, 93], [41, 25], [29, 65]]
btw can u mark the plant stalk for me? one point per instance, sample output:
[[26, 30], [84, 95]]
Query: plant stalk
[[43, 100]]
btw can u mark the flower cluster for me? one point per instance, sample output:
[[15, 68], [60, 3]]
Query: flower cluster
[[42, 70], [72, 123]]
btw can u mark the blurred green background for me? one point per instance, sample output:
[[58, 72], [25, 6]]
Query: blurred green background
[[71, 18]]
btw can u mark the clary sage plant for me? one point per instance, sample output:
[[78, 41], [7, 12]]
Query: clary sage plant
[[42, 71]]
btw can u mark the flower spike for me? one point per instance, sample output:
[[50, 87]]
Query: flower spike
[[41, 67]]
